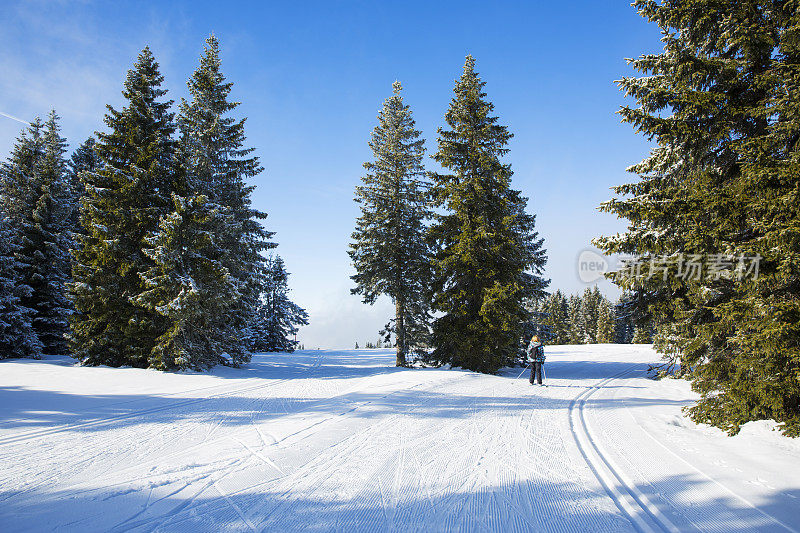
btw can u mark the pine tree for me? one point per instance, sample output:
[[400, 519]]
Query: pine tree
[[218, 165], [606, 322], [539, 323], [389, 251], [126, 198], [642, 335], [190, 288], [485, 241], [278, 318], [83, 159], [720, 102], [577, 333], [590, 312], [52, 260], [624, 320], [17, 336], [36, 198], [557, 319]]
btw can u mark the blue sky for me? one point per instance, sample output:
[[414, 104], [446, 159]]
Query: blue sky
[[311, 77]]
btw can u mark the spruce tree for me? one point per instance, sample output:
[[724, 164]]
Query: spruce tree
[[51, 217], [389, 251], [278, 318], [624, 320], [488, 257], [126, 198], [17, 178], [577, 332], [83, 159], [17, 336], [605, 322], [590, 313], [218, 166], [539, 323], [190, 288], [720, 102], [36, 198], [557, 319]]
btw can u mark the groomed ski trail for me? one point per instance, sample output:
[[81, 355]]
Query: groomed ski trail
[[343, 441]]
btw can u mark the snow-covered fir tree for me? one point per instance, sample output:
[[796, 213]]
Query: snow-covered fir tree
[[206, 237], [218, 166], [577, 330], [606, 322], [590, 312], [189, 286], [37, 201], [489, 258], [125, 199], [539, 323], [389, 251], [278, 318], [51, 216], [17, 336], [720, 103], [83, 159], [556, 310], [623, 319]]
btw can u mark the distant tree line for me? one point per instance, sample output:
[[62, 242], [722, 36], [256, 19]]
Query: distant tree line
[[369, 345], [587, 318], [142, 248]]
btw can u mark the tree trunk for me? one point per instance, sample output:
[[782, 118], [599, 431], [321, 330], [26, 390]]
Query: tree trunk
[[400, 332]]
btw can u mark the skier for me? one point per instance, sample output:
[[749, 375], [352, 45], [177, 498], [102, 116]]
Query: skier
[[536, 358]]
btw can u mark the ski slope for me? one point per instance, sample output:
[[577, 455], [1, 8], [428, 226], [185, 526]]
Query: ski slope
[[344, 441]]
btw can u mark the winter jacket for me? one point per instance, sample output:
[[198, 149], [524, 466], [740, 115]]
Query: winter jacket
[[536, 352]]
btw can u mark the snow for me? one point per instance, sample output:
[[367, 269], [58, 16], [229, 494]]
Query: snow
[[344, 441]]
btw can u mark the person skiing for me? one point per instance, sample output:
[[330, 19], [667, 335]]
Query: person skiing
[[536, 359]]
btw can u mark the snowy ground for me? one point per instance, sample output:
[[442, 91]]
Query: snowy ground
[[343, 441]]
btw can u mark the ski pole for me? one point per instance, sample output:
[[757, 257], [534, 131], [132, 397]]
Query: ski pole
[[544, 374], [523, 371]]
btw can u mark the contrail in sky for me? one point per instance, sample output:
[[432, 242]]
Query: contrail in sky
[[12, 117]]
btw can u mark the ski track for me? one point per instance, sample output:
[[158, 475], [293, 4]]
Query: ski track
[[637, 506], [372, 449], [19, 437], [710, 520], [12, 439], [93, 451]]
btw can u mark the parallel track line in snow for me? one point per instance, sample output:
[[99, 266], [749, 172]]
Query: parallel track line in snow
[[235, 507], [633, 503], [315, 473], [206, 441], [716, 482], [219, 473], [229, 436], [20, 437], [510, 504]]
